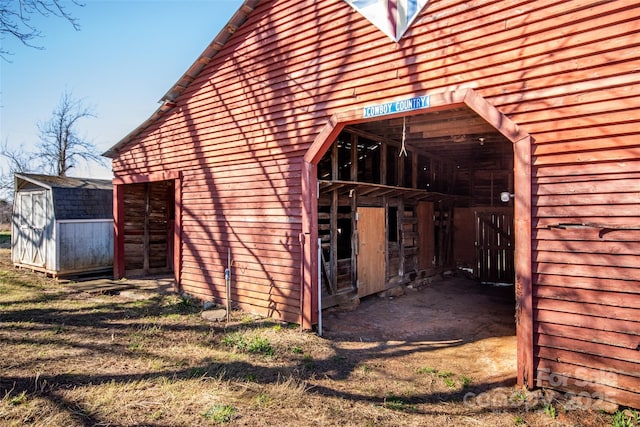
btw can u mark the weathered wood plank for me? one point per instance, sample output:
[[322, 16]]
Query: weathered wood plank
[[616, 300], [598, 312], [603, 284], [597, 271], [608, 338]]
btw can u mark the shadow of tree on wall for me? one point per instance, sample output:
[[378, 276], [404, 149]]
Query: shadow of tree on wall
[[241, 171]]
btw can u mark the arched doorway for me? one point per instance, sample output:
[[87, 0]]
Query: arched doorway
[[439, 131]]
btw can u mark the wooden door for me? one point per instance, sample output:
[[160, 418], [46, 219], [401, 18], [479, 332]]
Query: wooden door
[[494, 247], [371, 251], [149, 227], [33, 221]]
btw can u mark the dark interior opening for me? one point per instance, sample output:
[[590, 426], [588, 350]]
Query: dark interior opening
[[439, 195]]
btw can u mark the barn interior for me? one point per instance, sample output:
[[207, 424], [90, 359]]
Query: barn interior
[[407, 198]]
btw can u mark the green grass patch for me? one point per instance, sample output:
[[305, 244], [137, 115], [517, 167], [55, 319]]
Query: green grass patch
[[398, 404], [220, 413], [630, 418], [549, 410], [253, 345], [19, 399]]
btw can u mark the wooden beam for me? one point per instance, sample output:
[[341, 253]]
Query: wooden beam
[[118, 230], [177, 232], [522, 226], [354, 157], [145, 238]]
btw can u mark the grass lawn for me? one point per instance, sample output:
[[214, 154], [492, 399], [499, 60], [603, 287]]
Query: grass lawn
[[77, 359]]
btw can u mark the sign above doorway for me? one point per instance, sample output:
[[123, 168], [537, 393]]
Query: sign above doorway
[[392, 17], [398, 106]]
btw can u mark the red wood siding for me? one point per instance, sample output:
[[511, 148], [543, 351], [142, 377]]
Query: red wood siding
[[565, 71]]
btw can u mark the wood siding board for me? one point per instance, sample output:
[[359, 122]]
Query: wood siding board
[[118, 230], [611, 285], [626, 201], [556, 312], [545, 98], [624, 375], [622, 358], [611, 223], [589, 157], [588, 247], [585, 258], [587, 309], [607, 338], [607, 299], [602, 176], [579, 271]]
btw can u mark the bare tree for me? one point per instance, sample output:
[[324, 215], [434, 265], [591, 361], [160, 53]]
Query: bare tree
[[61, 146], [19, 161], [15, 19]]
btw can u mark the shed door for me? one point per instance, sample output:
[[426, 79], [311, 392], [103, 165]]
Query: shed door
[[33, 215], [371, 255]]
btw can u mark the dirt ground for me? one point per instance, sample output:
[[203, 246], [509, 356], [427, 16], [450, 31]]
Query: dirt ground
[[440, 355], [455, 324]]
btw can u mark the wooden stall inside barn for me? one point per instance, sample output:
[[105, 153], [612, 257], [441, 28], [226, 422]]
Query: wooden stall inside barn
[[401, 199]]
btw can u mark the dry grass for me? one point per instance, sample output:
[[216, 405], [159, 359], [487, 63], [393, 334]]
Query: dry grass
[[78, 359]]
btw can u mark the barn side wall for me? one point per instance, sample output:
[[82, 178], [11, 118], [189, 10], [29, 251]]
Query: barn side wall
[[565, 71]]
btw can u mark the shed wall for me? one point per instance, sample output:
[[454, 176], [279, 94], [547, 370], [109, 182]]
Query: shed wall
[[565, 71], [83, 245]]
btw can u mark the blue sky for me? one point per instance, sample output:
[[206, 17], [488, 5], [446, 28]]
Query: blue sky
[[122, 61]]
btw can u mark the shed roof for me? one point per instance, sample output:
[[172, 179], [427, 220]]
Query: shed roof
[[50, 182], [168, 100]]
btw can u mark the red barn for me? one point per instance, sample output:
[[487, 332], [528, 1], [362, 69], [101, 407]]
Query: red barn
[[336, 142]]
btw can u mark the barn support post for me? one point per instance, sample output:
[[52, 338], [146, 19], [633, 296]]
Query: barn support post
[[118, 231], [522, 225], [308, 279], [177, 231], [309, 276]]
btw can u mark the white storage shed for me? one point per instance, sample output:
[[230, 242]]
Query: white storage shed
[[62, 225]]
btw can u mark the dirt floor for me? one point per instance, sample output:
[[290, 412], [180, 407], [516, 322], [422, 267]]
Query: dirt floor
[[454, 323], [440, 355]]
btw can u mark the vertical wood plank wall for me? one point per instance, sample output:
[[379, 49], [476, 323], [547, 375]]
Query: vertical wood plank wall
[[565, 71]]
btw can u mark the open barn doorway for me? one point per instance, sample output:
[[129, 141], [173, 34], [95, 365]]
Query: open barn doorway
[[148, 228], [406, 199], [446, 172]]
